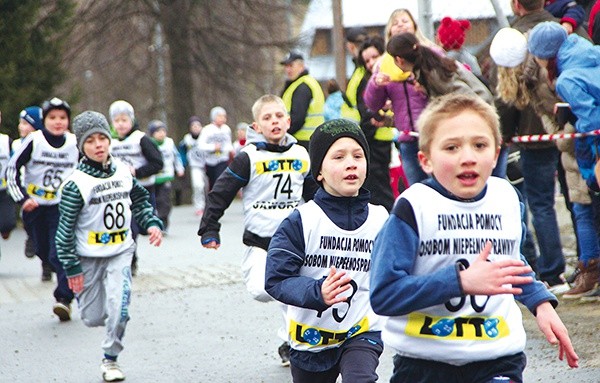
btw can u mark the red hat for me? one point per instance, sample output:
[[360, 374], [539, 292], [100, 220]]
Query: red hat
[[451, 33]]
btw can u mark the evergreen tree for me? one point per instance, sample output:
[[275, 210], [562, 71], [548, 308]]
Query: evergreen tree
[[32, 40]]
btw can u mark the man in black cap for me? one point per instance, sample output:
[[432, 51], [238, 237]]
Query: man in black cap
[[303, 98]]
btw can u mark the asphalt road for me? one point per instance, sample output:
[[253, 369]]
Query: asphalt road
[[191, 320]]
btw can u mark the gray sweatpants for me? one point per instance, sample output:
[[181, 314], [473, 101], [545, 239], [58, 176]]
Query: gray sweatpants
[[106, 295]]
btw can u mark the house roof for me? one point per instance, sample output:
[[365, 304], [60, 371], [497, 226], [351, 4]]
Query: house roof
[[376, 13]]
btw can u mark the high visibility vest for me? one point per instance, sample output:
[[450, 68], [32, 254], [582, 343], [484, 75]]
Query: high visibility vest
[[314, 114], [350, 112]]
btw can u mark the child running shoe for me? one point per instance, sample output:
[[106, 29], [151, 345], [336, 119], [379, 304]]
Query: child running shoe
[[62, 310], [111, 371]]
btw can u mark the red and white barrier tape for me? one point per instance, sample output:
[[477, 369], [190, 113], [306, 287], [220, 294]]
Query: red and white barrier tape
[[535, 137], [553, 137]]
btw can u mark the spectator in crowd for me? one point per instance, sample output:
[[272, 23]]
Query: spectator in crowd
[[303, 98]]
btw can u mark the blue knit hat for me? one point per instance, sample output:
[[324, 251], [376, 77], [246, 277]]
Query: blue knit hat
[[33, 115], [545, 39]]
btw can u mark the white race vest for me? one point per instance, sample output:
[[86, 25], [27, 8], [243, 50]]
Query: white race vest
[[274, 189], [130, 152], [195, 156], [470, 328], [48, 167], [4, 157], [168, 152], [328, 245], [103, 226]]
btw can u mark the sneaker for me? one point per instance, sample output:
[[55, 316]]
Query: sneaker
[[29, 248], [46, 272], [591, 296], [284, 354], [62, 311], [111, 372]]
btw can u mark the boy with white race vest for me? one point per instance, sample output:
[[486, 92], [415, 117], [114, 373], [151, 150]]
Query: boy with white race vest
[[30, 120], [172, 165], [271, 170], [447, 266], [47, 157], [319, 260], [195, 161], [94, 240], [136, 149]]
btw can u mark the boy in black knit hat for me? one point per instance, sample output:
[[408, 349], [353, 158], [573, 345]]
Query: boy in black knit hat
[[46, 157], [319, 259], [94, 240]]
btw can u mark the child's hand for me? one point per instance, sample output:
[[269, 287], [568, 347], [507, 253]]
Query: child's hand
[[30, 205], [556, 333], [568, 27], [382, 79], [491, 278], [76, 283], [155, 236], [180, 174], [211, 245], [335, 284]]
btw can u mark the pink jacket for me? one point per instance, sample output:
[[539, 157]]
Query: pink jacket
[[407, 102]]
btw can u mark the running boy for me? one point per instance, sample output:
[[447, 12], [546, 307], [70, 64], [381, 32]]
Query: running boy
[[215, 142], [172, 165], [47, 157], [271, 169], [195, 160], [30, 120], [94, 241], [137, 150], [318, 264], [446, 267]]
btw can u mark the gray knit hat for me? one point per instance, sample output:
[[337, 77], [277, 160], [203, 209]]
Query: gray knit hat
[[88, 123]]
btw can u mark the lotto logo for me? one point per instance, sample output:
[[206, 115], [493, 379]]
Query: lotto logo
[[40, 192], [467, 328], [107, 237]]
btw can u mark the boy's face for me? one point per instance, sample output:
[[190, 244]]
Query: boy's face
[[122, 124], [273, 122], [25, 128], [57, 122], [195, 127], [220, 119], [462, 154], [96, 146], [344, 168], [160, 135]]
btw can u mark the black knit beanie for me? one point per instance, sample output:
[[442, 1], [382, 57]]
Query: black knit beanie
[[328, 133]]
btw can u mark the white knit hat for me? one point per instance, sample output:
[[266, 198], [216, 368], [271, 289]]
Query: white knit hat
[[121, 107], [509, 48]]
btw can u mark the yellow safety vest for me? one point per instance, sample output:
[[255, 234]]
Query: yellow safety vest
[[350, 112], [314, 114]]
